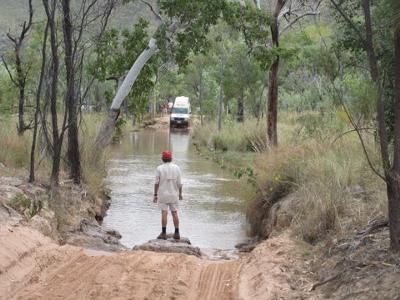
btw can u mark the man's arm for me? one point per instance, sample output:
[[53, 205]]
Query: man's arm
[[156, 186], [179, 182]]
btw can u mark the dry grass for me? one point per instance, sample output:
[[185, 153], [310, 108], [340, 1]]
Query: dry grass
[[15, 152], [238, 137], [332, 189], [335, 191], [93, 172], [14, 149]]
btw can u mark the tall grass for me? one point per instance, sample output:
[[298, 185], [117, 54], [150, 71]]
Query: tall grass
[[93, 172], [15, 151], [332, 189]]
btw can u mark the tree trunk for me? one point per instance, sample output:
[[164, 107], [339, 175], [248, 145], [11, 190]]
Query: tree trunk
[[221, 95], [70, 99], [21, 86], [272, 109], [393, 180], [375, 76], [393, 194], [396, 156], [107, 129], [55, 63], [240, 109], [201, 97], [37, 108]]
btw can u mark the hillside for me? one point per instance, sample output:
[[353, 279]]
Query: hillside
[[14, 12]]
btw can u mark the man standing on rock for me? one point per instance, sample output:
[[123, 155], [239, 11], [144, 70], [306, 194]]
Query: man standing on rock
[[168, 192]]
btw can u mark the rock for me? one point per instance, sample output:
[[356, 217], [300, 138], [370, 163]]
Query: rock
[[248, 245], [114, 233], [96, 231], [90, 242], [170, 246], [93, 236]]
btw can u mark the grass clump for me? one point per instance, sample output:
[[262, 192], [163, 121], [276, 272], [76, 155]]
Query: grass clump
[[317, 182], [23, 204], [14, 149], [20, 202], [236, 137], [333, 190]]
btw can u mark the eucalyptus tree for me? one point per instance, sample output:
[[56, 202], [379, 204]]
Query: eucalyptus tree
[[394, 212], [19, 79], [244, 80], [77, 24], [265, 42], [57, 134], [182, 29], [115, 53], [363, 34], [195, 74]]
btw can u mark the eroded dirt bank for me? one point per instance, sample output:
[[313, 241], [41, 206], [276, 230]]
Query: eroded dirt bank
[[33, 267]]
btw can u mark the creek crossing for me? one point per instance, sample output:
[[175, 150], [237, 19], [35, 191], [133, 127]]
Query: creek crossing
[[211, 212]]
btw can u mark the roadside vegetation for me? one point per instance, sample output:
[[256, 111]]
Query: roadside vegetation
[[325, 187]]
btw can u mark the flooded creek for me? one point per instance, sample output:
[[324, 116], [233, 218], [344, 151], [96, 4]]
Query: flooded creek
[[211, 212]]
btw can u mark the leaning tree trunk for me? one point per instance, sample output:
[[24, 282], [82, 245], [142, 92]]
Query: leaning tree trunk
[[107, 129]]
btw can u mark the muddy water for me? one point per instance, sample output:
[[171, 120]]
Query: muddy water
[[211, 214]]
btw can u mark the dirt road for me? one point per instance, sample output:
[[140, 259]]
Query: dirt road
[[33, 267]]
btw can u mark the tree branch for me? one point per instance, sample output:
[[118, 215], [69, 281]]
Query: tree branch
[[25, 28], [357, 130], [351, 23], [310, 13], [9, 72], [11, 38], [347, 132], [153, 10]]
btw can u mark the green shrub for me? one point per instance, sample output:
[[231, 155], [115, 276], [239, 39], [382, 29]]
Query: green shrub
[[21, 203]]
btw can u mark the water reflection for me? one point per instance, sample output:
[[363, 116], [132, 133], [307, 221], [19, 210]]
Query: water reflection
[[211, 214]]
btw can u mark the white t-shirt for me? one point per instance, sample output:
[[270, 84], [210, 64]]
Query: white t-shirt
[[168, 176]]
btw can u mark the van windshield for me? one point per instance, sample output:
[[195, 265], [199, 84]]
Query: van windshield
[[179, 110]]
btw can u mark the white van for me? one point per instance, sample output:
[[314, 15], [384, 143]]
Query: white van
[[180, 112]]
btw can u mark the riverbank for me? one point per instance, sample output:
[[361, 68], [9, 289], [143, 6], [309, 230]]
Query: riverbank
[[318, 186], [69, 214]]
